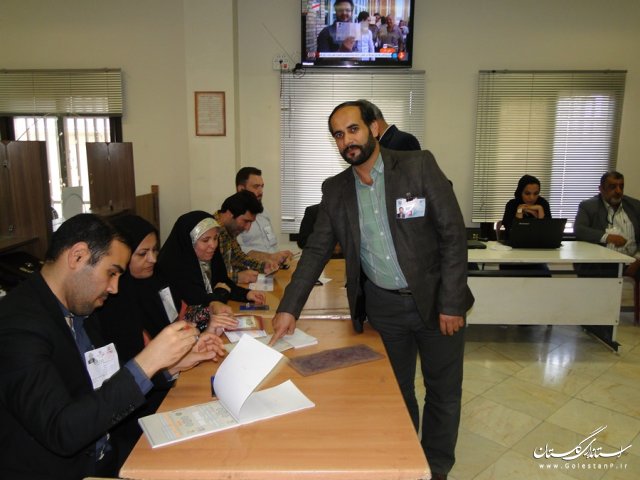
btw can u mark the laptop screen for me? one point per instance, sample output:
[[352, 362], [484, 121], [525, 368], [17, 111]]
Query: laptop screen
[[537, 233]]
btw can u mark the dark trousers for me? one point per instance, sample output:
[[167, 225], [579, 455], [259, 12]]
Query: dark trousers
[[405, 335]]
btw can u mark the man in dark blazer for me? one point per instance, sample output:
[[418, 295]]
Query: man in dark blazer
[[389, 136], [611, 218], [54, 423], [407, 277]]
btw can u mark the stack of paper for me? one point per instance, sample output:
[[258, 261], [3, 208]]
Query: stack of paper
[[238, 404], [299, 339]]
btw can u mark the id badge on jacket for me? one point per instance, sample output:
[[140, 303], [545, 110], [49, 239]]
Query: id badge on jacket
[[416, 207]]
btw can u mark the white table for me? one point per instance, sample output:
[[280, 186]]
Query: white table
[[560, 299]]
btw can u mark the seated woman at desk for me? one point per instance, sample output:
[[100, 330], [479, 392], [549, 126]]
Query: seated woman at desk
[[526, 203], [192, 264], [138, 312]]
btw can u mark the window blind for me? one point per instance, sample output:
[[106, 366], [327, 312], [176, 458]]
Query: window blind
[[308, 154], [560, 126], [42, 92]]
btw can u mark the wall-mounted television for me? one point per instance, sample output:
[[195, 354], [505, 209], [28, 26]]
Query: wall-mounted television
[[357, 33]]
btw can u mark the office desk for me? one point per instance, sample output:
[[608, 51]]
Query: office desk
[[328, 301], [555, 300], [359, 428]]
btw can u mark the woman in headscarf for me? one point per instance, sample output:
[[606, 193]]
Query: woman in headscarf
[[526, 203], [192, 264], [137, 313]]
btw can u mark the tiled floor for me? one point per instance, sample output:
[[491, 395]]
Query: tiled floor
[[530, 387]]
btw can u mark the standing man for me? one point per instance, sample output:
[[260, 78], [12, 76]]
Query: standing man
[[612, 219], [390, 137], [236, 215], [408, 276], [57, 398], [330, 38], [260, 240], [390, 35]]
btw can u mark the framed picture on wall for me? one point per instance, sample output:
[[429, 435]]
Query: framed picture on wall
[[210, 114]]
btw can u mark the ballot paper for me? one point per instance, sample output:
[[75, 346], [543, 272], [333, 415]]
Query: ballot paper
[[298, 339], [237, 402], [263, 283]]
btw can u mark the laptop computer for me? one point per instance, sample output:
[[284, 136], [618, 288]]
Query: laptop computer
[[536, 233]]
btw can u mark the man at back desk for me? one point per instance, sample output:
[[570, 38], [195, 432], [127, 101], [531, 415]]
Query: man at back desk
[[612, 219], [406, 276], [390, 136], [260, 240]]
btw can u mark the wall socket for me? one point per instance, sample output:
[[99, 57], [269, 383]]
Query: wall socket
[[281, 62]]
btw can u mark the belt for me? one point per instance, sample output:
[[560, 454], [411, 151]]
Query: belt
[[403, 292]]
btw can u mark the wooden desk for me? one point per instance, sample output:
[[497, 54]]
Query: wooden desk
[[359, 428], [551, 300], [328, 301]]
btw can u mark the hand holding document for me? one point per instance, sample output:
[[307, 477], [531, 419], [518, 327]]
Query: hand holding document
[[264, 283], [250, 325], [238, 403]]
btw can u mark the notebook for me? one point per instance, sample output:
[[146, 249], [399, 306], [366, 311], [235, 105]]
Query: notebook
[[534, 233]]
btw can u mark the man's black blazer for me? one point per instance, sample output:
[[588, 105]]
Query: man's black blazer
[[395, 139], [50, 415]]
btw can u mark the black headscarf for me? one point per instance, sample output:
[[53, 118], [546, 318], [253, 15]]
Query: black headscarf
[[134, 229], [137, 305], [179, 265], [522, 183]]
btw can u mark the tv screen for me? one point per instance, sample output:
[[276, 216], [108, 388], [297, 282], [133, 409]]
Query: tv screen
[[357, 33]]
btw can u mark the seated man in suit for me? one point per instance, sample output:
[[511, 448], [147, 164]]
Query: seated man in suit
[[613, 219], [306, 226], [260, 240], [56, 403]]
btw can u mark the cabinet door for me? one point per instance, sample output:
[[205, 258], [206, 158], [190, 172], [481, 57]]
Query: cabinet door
[[30, 194], [111, 177], [123, 185], [98, 168]]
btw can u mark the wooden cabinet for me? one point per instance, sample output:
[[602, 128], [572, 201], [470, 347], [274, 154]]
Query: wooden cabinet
[[111, 178], [25, 199]]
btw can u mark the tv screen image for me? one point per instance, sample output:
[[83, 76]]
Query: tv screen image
[[357, 33]]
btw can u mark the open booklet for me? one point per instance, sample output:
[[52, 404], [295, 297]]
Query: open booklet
[[251, 325], [238, 404]]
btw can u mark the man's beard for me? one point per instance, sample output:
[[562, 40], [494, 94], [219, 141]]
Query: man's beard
[[365, 152]]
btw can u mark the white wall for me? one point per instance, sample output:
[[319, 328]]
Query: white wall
[[170, 48], [145, 38], [460, 38]]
